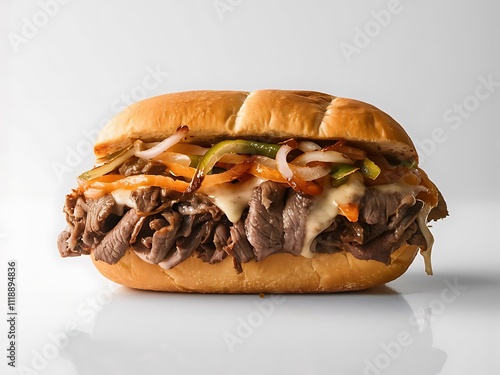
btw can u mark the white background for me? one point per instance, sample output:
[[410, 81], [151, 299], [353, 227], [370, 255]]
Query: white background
[[66, 67]]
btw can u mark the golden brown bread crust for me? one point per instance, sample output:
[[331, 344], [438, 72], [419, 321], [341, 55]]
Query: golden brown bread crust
[[268, 115], [278, 273]]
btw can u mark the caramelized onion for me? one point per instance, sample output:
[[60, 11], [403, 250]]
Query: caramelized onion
[[282, 163], [163, 145], [306, 146], [322, 156]]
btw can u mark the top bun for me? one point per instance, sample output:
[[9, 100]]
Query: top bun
[[265, 115]]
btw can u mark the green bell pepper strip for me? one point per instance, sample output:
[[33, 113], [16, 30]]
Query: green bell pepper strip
[[340, 171], [195, 160], [411, 164], [217, 151], [370, 169]]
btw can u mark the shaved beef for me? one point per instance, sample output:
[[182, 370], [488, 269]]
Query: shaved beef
[[329, 240], [377, 206], [185, 246], [409, 217], [117, 241], [352, 232], [100, 219], [69, 241], [135, 166], [294, 213], [63, 247], [195, 204], [238, 246], [168, 227], [164, 236], [382, 246], [221, 236], [147, 199], [264, 224], [214, 253]]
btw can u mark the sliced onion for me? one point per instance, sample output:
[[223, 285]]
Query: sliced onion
[[188, 149], [306, 146], [323, 156], [304, 173], [310, 173], [163, 145], [283, 166], [173, 157], [264, 160]]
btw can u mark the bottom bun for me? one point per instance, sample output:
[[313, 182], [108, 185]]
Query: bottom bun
[[278, 273]]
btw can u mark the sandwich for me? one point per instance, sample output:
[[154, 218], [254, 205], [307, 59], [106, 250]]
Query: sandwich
[[269, 191]]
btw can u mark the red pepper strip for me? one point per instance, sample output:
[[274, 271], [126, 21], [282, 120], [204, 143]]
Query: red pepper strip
[[350, 211]]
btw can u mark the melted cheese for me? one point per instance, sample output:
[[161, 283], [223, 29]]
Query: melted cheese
[[232, 198], [429, 238], [122, 198], [325, 208]]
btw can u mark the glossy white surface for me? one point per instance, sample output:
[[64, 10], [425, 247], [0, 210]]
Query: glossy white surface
[[434, 66]]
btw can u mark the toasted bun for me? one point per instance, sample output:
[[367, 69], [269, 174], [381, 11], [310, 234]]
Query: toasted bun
[[278, 273], [268, 115]]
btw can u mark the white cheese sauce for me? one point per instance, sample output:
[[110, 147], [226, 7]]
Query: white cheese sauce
[[232, 198], [122, 198], [325, 208], [429, 238]]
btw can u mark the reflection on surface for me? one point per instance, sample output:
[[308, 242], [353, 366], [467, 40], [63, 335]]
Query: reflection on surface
[[368, 333]]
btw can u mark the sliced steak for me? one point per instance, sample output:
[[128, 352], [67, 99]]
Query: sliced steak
[[100, 219], [264, 223], [410, 216], [69, 242], [63, 247], [329, 240], [185, 246], [295, 212], [147, 199], [165, 234], [376, 206], [237, 245], [135, 166], [114, 245], [221, 237], [214, 252], [75, 210], [382, 246]]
